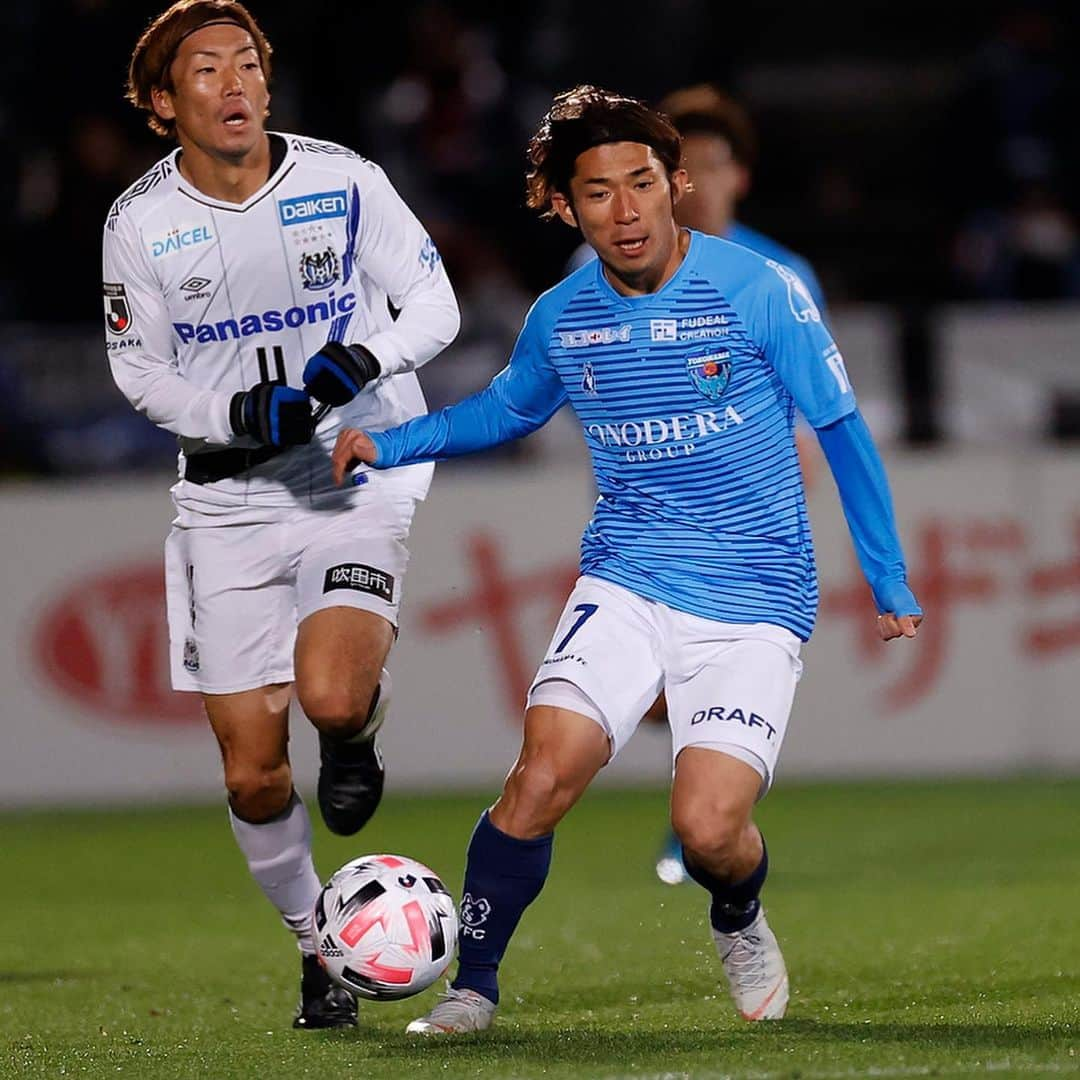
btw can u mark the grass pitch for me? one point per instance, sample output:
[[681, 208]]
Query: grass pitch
[[930, 930]]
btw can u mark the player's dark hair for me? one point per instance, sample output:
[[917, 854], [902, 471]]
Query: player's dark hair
[[580, 119], [702, 109], [151, 62]]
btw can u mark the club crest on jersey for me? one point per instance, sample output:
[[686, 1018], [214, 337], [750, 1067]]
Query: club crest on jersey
[[117, 310], [588, 378], [710, 372], [319, 269]]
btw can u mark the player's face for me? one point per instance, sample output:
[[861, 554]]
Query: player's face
[[219, 96], [622, 200], [717, 182]]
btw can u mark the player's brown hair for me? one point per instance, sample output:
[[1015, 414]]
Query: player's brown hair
[[705, 109], [580, 119], [151, 62]]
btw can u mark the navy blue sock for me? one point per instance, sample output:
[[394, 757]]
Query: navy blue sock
[[735, 904], [503, 876]]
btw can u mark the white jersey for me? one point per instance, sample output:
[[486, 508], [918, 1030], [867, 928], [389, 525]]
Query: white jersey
[[205, 298]]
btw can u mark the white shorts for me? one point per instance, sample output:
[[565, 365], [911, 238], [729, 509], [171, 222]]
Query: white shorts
[[729, 686], [236, 593]]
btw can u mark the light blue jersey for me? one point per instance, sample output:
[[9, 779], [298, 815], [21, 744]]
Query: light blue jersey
[[687, 399], [738, 233]]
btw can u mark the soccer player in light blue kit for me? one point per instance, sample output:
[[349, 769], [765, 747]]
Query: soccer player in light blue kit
[[685, 358]]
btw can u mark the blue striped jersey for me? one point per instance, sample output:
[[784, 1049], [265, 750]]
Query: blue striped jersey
[[687, 399], [763, 244]]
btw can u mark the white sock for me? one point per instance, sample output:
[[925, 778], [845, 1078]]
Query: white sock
[[278, 854], [378, 712]]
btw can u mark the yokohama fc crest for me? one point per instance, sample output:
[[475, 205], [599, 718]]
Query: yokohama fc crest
[[710, 372]]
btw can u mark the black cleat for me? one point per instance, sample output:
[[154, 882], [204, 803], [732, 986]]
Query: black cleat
[[351, 780], [351, 774], [323, 1004]]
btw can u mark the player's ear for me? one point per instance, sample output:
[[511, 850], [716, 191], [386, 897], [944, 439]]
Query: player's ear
[[563, 207], [742, 182], [680, 185], [162, 102]]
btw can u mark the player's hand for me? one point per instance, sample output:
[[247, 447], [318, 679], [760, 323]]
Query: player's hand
[[352, 448], [900, 614], [272, 413], [337, 373], [893, 626]]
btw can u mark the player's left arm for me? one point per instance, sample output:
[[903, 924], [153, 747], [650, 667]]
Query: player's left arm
[[811, 368], [864, 494], [395, 251]]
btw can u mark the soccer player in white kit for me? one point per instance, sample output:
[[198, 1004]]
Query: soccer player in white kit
[[685, 358], [261, 291]]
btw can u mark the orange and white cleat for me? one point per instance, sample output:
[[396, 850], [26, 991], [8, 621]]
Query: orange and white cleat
[[457, 1012], [755, 970]]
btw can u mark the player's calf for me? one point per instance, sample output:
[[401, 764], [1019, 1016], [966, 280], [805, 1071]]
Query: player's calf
[[351, 770]]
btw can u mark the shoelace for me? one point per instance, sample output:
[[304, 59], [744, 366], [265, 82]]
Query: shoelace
[[452, 1001], [745, 961]]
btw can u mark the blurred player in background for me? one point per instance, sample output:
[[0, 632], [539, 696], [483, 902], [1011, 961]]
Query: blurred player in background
[[685, 358], [719, 152], [253, 281]]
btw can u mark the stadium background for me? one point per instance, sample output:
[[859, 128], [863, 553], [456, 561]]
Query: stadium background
[[928, 168], [925, 158]]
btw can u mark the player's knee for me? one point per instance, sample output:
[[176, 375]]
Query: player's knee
[[335, 710], [257, 793], [711, 834], [537, 795]]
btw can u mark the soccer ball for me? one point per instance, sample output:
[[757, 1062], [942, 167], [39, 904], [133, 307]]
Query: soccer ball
[[386, 927]]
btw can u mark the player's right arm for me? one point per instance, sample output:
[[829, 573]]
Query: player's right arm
[[141, 354], [518, 401], [142, 357]]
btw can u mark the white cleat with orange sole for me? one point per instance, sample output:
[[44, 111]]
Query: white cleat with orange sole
[[457, 1012], [755, 969]]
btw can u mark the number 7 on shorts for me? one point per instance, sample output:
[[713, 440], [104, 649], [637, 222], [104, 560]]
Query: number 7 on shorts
[[587, 612]]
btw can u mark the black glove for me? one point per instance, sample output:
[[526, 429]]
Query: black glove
[[272, 413], [337, 373]]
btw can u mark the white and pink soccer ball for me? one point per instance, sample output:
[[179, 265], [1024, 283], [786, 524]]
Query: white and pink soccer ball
[[385, 927]]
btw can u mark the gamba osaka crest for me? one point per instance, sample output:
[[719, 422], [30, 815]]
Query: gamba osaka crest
[[117, 309], [710, 372], [319, 269]]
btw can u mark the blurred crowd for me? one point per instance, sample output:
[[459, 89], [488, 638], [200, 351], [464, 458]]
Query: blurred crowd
[[914, 159]]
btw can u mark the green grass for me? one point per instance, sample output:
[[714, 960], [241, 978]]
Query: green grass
[[929, 930]]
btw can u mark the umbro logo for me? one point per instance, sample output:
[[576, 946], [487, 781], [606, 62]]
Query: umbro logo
[[195, 288]]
